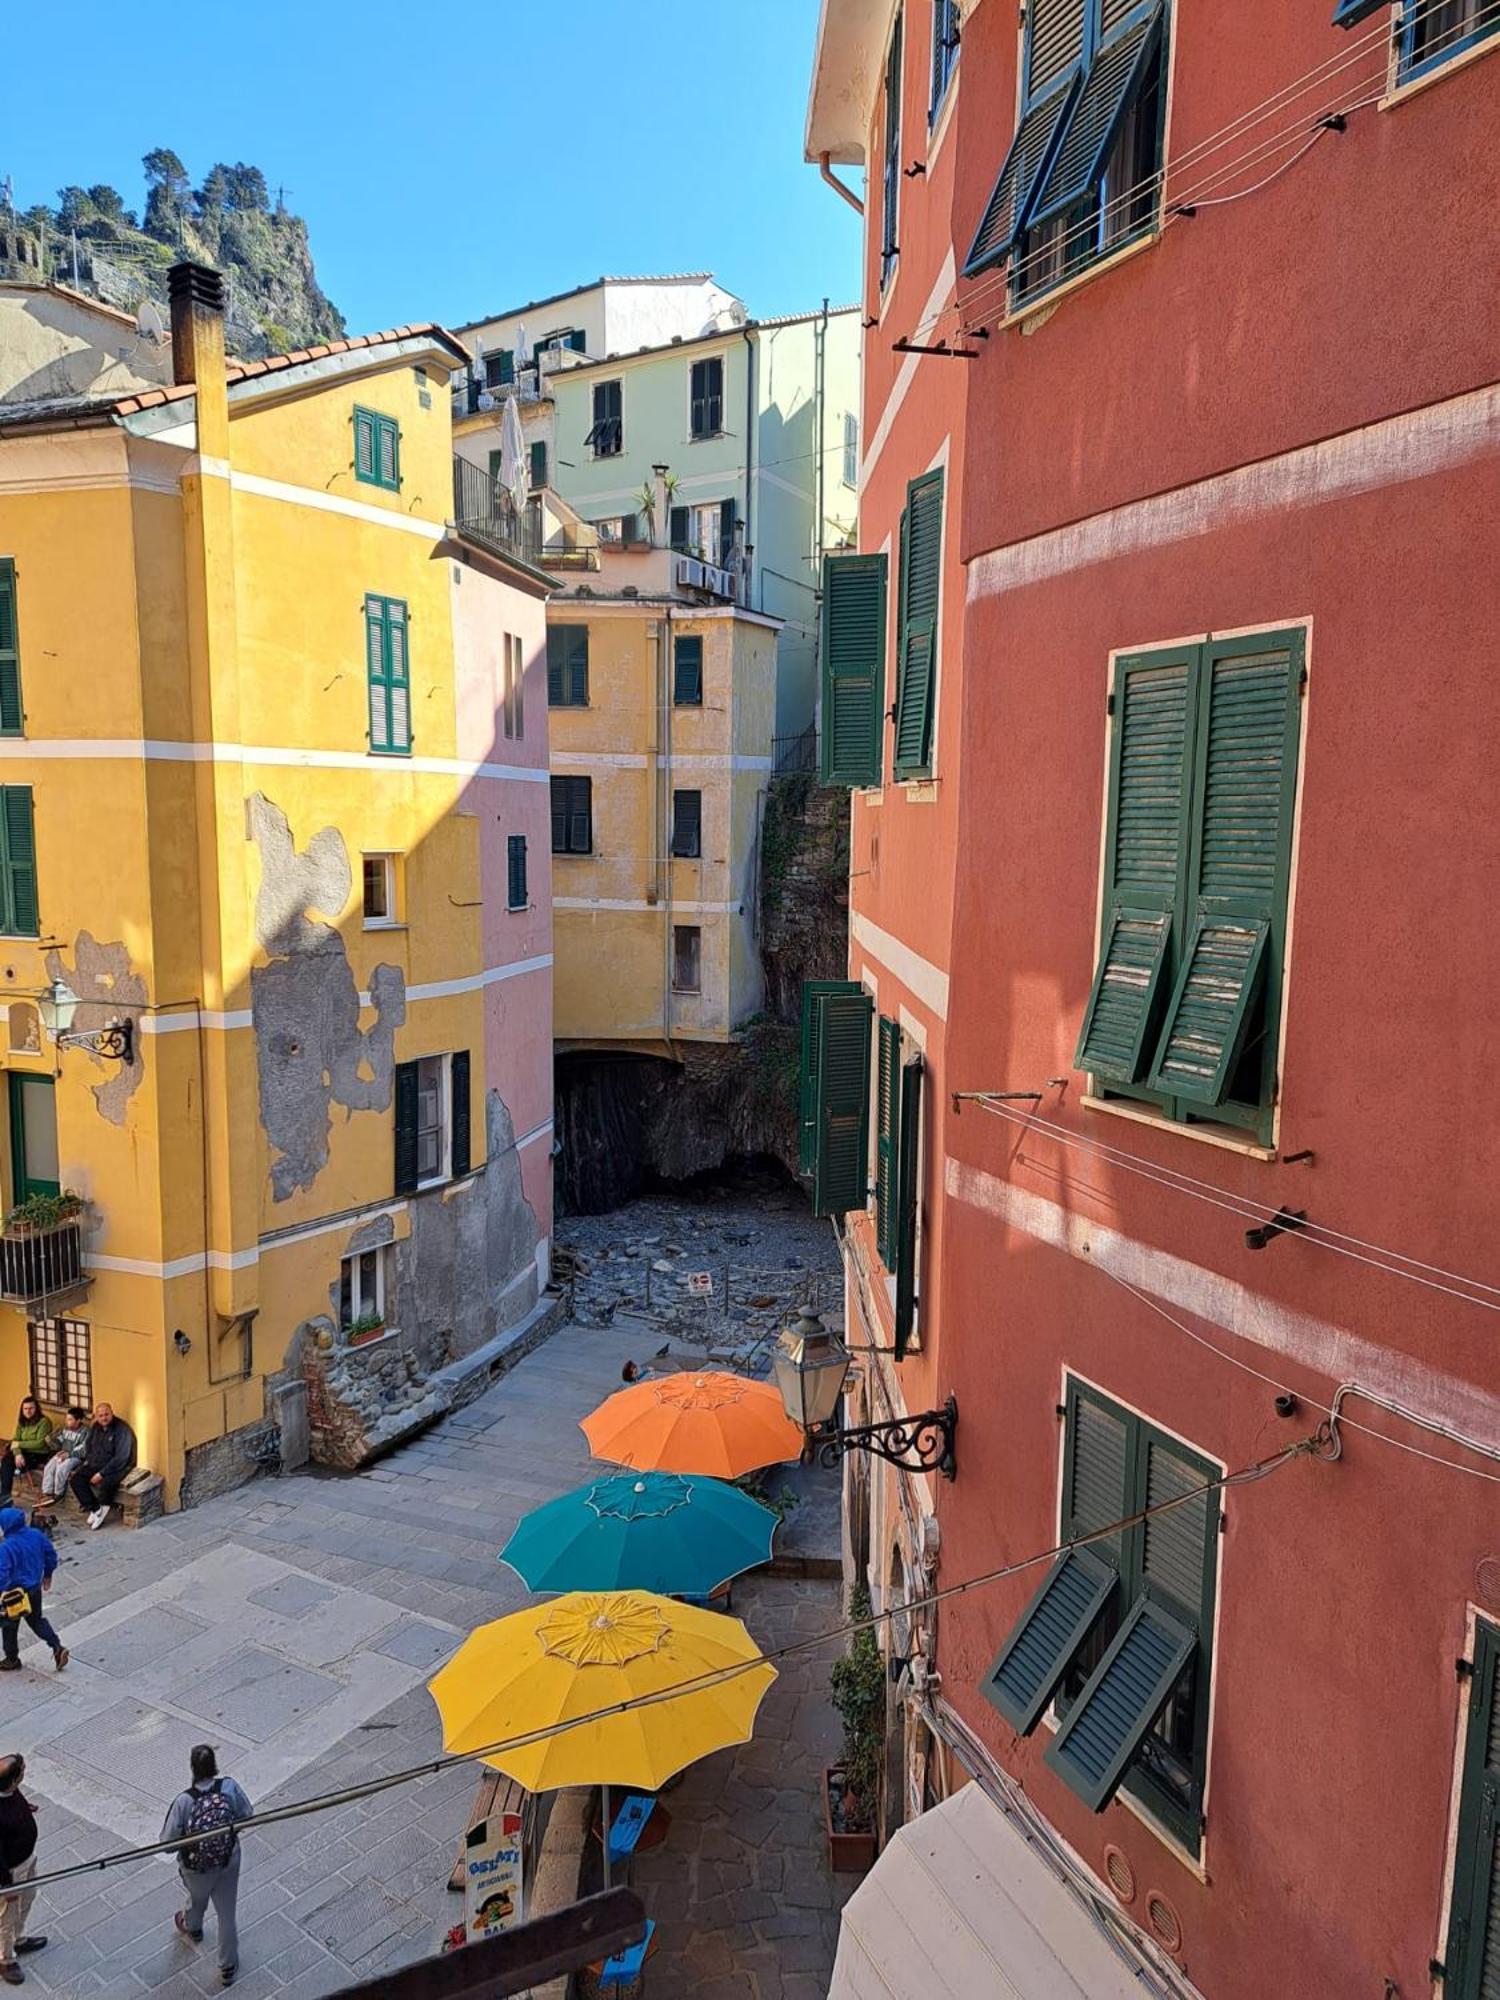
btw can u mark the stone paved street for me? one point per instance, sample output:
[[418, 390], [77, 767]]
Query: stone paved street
[[295, 1624]]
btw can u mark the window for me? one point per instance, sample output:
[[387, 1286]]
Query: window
[[853, 669], [515, 871], [381, 899], [607, 438], [891, 159], [898, 1129], [570, 340], [34, 1167], [572, 815], [389, 676], [62, 1369], [1120, 1633], [834, 1093], [687, 670], [568, 666], [18, 905], [687, 825], [432, 1121], [377, 450], [706, 396], [362, 1286], [537, 459], [500, 369], [851, 448], [1436, 30], [1082, 176], [706, 531], [513, 692], [687, 958], [12, 719], [1471, 1957], [944, 52], [921, 591], [1186, 1003]]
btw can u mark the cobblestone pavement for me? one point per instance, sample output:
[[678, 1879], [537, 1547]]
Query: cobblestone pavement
[[295, 1624]]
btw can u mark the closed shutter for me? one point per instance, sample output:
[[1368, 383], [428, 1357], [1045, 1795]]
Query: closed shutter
[[1030, 1666], [1114, 77], [364, 445], [843, 1059], [497, 458], [907, 1198], [507, 365], [568, 666], [1054, 41], [559, 815], [1177, 1544], [1128, 1689], [920, 592], [1031, 151], [379, 695], [11, 717], [677, 532], [539, 462], [1471, 1960], [389, 439], [1095, 1471], [406, 1127], [581, 816], [515, 866], [397, 668], [813, 993], [1247, 725], [727, 518], [458, 1085], [555, 652], [887, 1118], [687, 824], [687, 672], [853, 644], [18, 862]]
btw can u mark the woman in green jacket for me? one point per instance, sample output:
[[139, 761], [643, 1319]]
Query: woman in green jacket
[[30, 1445]]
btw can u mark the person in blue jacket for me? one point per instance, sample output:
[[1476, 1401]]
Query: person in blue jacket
[[27, 1560]]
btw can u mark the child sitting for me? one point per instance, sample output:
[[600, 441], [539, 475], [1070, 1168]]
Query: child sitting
[[63, 1463]]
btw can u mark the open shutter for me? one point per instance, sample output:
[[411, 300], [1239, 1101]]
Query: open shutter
[[1246, 756], [887, 1117], [1471, 1959], [1349, 12], [813, 993], [843, 1106], [908, 1194], [364, 445], [921, 584], [1054, 42], [853, 645], [507, 365], [538, 458], [1150, 781], [1030, 154], [389, 440], [19, 916], [1177, 1549], [458, 1084], [406, 1127], [11, 717], [399, 677], [1030, 1666], [1115, 75], [687, 824], [1123, 1696], [555, 655], [1095, 1471], [727, 519], [677, 532]]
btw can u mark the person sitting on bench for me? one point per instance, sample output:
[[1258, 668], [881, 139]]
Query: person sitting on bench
[[30, 1446], [108, 1454], [67, 1443]]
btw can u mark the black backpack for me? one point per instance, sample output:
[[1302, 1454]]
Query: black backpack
[[212, 1820]]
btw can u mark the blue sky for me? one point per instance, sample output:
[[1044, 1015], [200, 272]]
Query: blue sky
[[453, 162]]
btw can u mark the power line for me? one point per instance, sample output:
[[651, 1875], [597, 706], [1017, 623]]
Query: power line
[[1317, 1445]]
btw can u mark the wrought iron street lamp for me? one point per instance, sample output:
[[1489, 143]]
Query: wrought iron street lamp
[[811, 1367], [57, 1006]]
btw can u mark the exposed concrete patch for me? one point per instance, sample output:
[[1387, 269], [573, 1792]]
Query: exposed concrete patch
[[107, 989], [484, 1231], [292, 884]]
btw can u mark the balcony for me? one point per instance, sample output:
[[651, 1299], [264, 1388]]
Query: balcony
[[545, 532], [471, 398], [41, 1265]]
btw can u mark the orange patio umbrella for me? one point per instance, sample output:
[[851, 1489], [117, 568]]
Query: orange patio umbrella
[[716, 1424]]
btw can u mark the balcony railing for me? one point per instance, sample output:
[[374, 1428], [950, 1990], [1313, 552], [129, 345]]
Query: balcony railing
[[484, 509], [39, 1267], [791, 754], [470, 398]]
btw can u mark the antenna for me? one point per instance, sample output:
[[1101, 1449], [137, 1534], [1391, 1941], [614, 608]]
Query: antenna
[[149, 323]]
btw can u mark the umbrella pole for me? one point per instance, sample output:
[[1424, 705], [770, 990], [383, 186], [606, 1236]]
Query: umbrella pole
[[604, 1836]]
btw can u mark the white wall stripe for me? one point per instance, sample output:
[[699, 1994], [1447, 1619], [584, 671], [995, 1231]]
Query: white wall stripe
[[473, 982], [192, 1018], [630, 903], [937, 298], [134, 749], [334, 503], [928, 982]]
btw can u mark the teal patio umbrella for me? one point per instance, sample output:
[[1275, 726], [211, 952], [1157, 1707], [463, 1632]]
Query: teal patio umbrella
[[661, 1531]]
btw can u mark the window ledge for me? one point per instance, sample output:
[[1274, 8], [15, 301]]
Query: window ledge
[[1031, 316], [1400, 92], [1226, 1140], [383, 924], [919, 791], [1194, 1863]]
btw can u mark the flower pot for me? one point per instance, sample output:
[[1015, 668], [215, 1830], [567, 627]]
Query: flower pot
[[848, 1853]]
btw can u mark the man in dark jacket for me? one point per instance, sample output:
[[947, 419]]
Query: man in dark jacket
[[17, 1864], [27, 1560], [108, 1454]]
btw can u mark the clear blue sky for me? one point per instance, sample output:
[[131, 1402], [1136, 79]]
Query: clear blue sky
[[452, 162]]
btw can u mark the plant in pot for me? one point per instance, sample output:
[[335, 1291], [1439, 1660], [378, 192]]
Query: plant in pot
[[851, 1787], [40, 1212], [369, 1326]]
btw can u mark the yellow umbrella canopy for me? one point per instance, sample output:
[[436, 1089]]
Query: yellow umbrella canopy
[[714, 1423], [553, 1663]]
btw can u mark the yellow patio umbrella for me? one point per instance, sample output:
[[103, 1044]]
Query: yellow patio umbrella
[[716, 1424]]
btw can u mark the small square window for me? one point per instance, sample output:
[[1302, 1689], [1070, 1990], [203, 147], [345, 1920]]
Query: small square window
[[687, 958], [687, 825], [377, 450], [362, 1288], [381, 903]]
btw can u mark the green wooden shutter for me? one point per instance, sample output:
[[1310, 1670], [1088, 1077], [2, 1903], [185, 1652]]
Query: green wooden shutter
[[1031, 152], [388, 444], [406, 1127], [496, 459], [539, 462], [556, 652], [12, 719], [364, 445], [907, 1198], [1096, 1471], [687, 824], [687, 671], [507, 365], [1471, 1958], [921, 588], [1146, 860], [1030, 1666], [375, 671], [728, 515], [18, 917], [397, 674], [887, 1120], [458, 1091], [1129, 1688], [677, 530], [515, 871], [842, 1022], [813, 993], [559, 815], [1177, 1545], [853, 645], [1244, 788]]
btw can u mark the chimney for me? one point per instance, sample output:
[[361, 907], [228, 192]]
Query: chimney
[[196, 297]]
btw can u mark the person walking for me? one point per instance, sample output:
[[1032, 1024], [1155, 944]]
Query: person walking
[[17, 1865], [27, 1563], [210, 1867], [108, 1454], [30, 1445]]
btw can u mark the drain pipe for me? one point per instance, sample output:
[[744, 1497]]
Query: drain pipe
[[750, 353], [826, 173], [664, 761]]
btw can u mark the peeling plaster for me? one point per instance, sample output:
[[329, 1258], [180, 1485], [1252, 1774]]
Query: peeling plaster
[[107, 988]]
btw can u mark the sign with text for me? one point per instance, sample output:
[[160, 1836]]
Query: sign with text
[[700, 1283], [492, 1876]]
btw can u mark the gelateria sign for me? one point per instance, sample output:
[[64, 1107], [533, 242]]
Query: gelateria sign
[[493, 1892]]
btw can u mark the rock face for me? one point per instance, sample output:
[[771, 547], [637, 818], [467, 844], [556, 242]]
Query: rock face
[[804, 890]]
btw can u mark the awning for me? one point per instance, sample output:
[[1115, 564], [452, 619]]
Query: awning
[[961, 1904]]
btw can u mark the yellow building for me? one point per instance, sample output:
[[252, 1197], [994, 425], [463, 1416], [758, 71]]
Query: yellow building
[[274, 754]]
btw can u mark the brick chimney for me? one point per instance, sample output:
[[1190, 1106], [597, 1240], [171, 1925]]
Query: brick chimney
[[196, 296]]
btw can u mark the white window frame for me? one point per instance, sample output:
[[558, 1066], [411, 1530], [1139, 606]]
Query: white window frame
[[851, 448], [359, 1305], [391, 877], [699, 512], [444, 1127]]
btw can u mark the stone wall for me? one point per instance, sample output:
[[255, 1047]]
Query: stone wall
[[361, 1400]]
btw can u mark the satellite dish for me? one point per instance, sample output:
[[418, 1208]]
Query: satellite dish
[[485, 400], [149, 323]]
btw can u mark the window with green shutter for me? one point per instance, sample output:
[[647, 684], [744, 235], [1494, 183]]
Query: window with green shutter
[[12, 717], [687, 670], [1185, 1008], [908, 1204], [377, 450], [388, 672], [887, 1136], [835, 1093], [567, 666], [921, 587], [515, 871], [853, 669], [1119, 1633], [18, 901], [1471, 1956], [572, 815]]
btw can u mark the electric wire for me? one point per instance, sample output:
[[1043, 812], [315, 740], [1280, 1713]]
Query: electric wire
[[1316, 1445]]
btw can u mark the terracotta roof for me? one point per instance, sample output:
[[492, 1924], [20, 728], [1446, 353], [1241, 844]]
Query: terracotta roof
[[244, 371]]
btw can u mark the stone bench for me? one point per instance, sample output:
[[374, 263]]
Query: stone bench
[[140, 1498]]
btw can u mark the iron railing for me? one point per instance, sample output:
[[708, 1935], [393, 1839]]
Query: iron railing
[[483, 508], [39, 1265], [790, 754]]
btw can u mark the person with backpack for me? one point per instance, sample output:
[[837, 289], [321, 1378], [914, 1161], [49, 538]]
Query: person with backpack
[[17, 1866], [206, 1814], [27, 1563]]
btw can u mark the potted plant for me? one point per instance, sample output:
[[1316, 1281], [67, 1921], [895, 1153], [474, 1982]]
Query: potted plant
[[369, 1326], [851, 1787], [41, 1212]]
